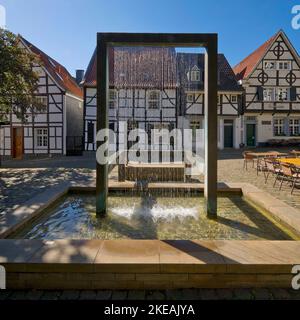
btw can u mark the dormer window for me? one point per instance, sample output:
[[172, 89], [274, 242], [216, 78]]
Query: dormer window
[[195, 74]]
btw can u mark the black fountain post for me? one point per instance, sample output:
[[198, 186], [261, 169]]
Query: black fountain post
[[102, 122], [210, 43], [211, 125]]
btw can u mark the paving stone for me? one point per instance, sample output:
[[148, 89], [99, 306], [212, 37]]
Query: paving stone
[[5, 294], [88, 295], [191, 294], [294, 294], [155, 295], [243, 294], [261, 294], [280, 294], [225, 294], [69, 295], [208, 294], [18, 295], [119, 295], [103, 294], [34, 294], [136, 295], [174, 294], [51, 295]]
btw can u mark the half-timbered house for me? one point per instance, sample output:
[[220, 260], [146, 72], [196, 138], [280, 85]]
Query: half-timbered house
[[270, 77], [142, 90], [190, 73], [57, 128]]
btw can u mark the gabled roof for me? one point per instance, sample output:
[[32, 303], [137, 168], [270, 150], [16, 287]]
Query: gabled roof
[[187, 61], [143, 67], [245, 68], [58, 72]]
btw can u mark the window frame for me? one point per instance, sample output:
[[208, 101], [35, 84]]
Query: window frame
[[233, 96], [277, 125], [272, 95], [293, 126], [150, 100], [193, 97], [112, 101], [277, 94], [44, 136], [45, 98], [284, 62], [268, 62]]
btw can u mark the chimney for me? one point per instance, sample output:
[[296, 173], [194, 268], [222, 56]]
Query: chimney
[[79, 76]]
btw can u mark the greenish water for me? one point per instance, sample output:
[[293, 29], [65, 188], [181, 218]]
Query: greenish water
[[152, 217]]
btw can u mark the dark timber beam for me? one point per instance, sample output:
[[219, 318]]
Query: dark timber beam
[[211, 125], [208, 41], [102, 123]]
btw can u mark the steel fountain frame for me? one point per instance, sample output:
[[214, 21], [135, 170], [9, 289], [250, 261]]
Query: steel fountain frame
[[207, 41]]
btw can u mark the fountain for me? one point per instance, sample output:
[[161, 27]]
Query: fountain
[[209, 42]]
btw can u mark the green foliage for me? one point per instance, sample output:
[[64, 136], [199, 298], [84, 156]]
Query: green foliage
[[18, 81]]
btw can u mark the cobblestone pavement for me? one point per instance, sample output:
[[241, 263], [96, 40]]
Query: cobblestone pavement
[[183, 294], [18, 185]]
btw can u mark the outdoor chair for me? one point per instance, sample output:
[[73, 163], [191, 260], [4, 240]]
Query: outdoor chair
[[248, 159], [272, 167], [261, 165], [291, 174]]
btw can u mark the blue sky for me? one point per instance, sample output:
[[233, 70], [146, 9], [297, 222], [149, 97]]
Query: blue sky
[[66, 29]]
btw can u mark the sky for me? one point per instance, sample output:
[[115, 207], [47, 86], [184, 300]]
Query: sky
[[66, 29]]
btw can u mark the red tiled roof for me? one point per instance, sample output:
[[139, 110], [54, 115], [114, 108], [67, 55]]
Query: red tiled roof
[[246, 66], [146, 67], [58, 72]]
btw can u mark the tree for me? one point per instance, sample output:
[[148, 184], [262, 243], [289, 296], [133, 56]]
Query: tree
[[18, 80]]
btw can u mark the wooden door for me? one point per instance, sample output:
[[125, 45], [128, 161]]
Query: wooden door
[[251, 135], [228, 135], [17, 143]]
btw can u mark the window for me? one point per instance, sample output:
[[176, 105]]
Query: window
[[294, 127], [269, 65], [42, 100], [278, 127], [282, 94], [268, 94], [233, 98], [195, 75], [131, 125], [190, 97], [154, 100], [284, 65], [41, 137], [112, 99]]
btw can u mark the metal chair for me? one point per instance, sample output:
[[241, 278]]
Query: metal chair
[[272, 167], [248, 158], [291, 174]]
